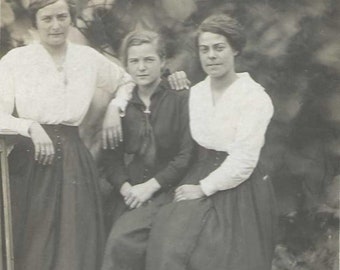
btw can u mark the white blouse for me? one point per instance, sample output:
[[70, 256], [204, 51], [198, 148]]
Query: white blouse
[[236, 125], [31, 83]]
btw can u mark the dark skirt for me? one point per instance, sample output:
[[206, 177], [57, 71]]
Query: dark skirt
[[57, 215], [232, 229]]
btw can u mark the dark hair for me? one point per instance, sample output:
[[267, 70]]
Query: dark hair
[[35, 5], [137, 38], [226, 26]]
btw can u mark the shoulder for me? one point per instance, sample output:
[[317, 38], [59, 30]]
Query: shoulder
[[18, 52], [254, 92], [177, 94], [201, 86]]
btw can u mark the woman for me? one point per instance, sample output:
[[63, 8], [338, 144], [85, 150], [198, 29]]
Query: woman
[[223, 216], [156, 134], [57, 219]]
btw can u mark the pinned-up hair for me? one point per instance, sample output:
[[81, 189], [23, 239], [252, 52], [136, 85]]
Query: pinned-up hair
[[226, 26], [36, 5], [140, 37]]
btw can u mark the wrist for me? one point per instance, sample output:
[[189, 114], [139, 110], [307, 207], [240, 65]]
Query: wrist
[[118, 106], [153, 184]]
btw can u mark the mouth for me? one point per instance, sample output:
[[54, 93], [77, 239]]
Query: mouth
[[56, 34], [213, 65], [142, 76]]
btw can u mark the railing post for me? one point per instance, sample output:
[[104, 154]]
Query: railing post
[[6, 219]]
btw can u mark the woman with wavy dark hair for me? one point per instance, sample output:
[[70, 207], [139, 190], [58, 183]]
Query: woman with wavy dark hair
[[223, 215]]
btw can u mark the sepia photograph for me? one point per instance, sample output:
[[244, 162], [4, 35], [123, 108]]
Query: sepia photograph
[[169, 134]]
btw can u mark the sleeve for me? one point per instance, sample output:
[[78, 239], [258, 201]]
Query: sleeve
[[175, 170], [115, 80], [244, 151], [7, 103], [112, 162]]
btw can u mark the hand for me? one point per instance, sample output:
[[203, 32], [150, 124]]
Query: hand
[[179, 81], [112, 129], [125, 189], [141, 193], [188, 192], [43, 146]]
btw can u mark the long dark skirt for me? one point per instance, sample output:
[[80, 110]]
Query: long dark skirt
[[57, 218], [230, 230]]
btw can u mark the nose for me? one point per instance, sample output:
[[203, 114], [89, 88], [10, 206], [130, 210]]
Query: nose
[[55, 23], [211, 53], [141, 65]]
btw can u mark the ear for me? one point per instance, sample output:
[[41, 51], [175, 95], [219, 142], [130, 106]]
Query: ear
[[235, 53]]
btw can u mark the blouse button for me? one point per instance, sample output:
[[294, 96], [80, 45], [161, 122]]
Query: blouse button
[[58, 157]]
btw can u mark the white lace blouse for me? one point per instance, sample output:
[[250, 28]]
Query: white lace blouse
[[236, 125], [31, 83]]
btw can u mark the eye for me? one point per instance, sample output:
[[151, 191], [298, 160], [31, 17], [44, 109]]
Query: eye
[[203, 49], [219, 48], [149, 60], [63, 17], [132, 61], [46, 19]]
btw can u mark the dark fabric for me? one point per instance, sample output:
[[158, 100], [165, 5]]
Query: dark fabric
[[57, 218], [126, 245], [232, 229], [165, 130]]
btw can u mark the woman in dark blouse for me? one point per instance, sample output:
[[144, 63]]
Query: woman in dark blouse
[[157, 138]]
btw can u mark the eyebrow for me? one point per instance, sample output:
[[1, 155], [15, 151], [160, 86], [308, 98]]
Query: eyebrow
[[215, 44]]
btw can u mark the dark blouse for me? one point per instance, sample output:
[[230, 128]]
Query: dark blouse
[[159, 140]]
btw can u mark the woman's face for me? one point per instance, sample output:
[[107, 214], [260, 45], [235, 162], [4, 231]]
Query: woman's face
[[53, 23], [144, 64], [216, 54]]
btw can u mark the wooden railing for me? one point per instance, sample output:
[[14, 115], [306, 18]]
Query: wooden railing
[[6, 235]]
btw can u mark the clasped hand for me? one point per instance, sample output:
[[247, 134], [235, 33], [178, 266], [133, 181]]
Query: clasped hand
[[135, 196]]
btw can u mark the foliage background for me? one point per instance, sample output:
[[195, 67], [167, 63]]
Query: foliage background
[[293, 50]]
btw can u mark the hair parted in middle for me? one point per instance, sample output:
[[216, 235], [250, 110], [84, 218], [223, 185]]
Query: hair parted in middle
[[140, 37], [226, 26]]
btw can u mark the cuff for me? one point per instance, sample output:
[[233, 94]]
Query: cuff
[[207, 187], [120, 104]]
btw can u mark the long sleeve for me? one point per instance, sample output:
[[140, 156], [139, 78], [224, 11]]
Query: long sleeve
[[115, 80], [7, 103], [112, 162], [176, 168], [245, 150]]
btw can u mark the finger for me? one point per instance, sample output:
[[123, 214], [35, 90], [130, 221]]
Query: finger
[[134, 203], [47, 152], [171, 81], [139, 204], [129, 199], [42, 154], [36, 151], [110, 139], [120, 134], [50, 154], [177, 87], [180, 198], [104, 140], [187, 84], [182, 79], [115, 138]]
